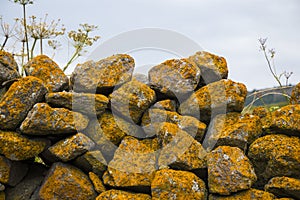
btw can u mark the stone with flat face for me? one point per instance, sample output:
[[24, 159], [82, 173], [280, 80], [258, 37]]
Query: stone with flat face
[[284, 187]]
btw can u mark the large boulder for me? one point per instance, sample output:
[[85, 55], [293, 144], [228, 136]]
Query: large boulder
[[18, 100], [120, 195], [8, 68], [284, 187], [49, 72], [104, 75], [251, 194], [229, 171]]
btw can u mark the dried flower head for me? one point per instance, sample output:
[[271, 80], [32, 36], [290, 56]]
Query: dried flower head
[[23, 2]]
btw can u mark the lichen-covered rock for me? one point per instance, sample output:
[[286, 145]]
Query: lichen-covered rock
[[98, 185], [18, 100], [108, 131], [132, 99], [284, 187], [11, 172], [295, 96], [92, 161], [133, 165], [172, 184], [187, 123], [174, 77], [121, 195], [66, 182], [229, 171], [88, 104], [18, 147], [8, 68], [233, 129], [180, 150], [213, 68], [104, 75], [215, 98], [44, 120], [275, 155], [265, 117], [49, 72], [168, 105], [2, 195], [71, 147], [251, 194]]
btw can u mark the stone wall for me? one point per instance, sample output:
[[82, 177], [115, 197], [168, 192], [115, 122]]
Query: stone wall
[[177, 133]]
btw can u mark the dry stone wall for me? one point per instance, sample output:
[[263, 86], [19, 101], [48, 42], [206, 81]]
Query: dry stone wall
[[108, 134]]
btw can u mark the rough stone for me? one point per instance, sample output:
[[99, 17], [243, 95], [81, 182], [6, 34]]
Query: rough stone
[[141, 78], [215, 98], [121, 195], [8, 68], [133, 165], [234, 130], [229, 171], [108, 131], [251, 194], [11, 172], [2, 195], [44, 120], [66, 182], [284, 187], [18, 100], [275, 155], [71, 147], [213, 68], [295, 96], [174, 78], [132, 99], [92, 161], [49, 72], [98, 185], [88, 104], [172, 184], [104, 75], [265, 117], [167, 104], [187, 123], [18, 147]]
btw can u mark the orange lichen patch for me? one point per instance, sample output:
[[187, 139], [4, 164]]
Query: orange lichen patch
[[44, 120], [98, 185], [17, 147], [295, 97], [134, 163], [168, 105], [218, 97], [265, 116], [8, 61], [132, 99], [18, 100], [172, 184], [71, 147], [284, 187], [229, 171], [66, 182], [251, 194], [49, 72], [103, 75], [174, 77], [89, 104], [2, 195], [122, 195], [213, 68]]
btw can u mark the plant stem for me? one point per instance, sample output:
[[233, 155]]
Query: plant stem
[[22, 63], [6, 38], [71, 60], [41, 45], [270, 67], [25, 30], [32, 48]]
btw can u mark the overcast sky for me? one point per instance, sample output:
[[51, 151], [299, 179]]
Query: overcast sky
[[229, 28]]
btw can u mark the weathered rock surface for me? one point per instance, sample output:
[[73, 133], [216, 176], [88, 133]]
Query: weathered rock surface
[[88, 104], [2, 187], [49, 72], [18, 147], [11, 172], [275, 155], [168, 105], [229, 171], [44, 120], [132, 99], [120, 195], [295, 96], [175, 77], [98, 185], [172, 184], [71, 147], [104, 75], [213, 68], [133, 165], [187, 123], [215, 98], [66, 182], [8, 68], [18, 100], [284, 187], [251, 194]]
